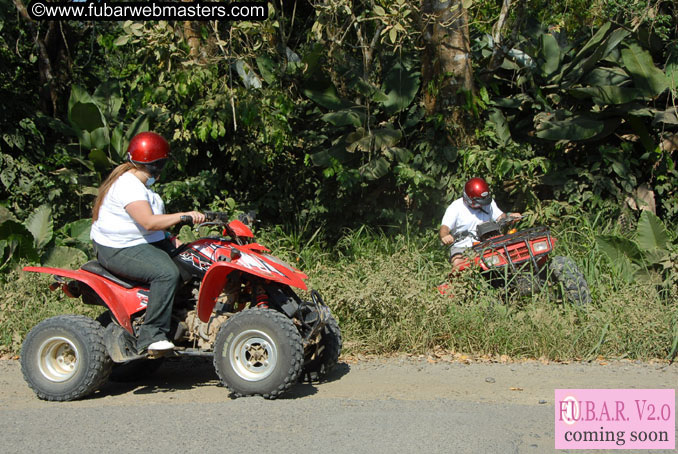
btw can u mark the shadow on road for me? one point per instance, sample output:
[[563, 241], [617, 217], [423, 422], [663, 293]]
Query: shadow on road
[[177, 374]]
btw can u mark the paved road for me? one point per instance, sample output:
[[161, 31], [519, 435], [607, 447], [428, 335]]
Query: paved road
[[391, 405]]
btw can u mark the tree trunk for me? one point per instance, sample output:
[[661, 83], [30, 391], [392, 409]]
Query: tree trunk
[[447, 75]]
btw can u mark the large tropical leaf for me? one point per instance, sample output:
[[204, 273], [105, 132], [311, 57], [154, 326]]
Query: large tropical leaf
[[400, 86], [18, 241], [585, 65], [574, 129], [375, 169], [646, 76], [651, 233], [606, 76], [83, 112], [325, 96], [345, 117], [40, 224], [608, 95], [78, 230], [64, 257], [551, 51], [500, 126]]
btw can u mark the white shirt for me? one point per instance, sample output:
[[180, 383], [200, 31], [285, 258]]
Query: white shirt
[[115, 227], [460, 218]]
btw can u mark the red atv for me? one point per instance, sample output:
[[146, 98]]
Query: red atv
[[522, 259], [237, 305]]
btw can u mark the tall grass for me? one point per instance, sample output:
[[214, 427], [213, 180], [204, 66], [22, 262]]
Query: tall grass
[[382, 289]]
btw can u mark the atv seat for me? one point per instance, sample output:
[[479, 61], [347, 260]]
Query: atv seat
[[95, 267]]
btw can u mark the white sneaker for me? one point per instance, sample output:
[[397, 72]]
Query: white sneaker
[[161, 345]]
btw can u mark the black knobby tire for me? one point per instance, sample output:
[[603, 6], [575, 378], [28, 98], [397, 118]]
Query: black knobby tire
[[64, 358], [258, 352], [574, 286], [327, 354], [134, 370], [526, 284]]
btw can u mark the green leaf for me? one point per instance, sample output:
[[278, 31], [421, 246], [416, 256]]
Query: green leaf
[[582, 65], [606, 77], [623, 253], [99, 138], [669, 117], [326, 97], [64, 257], [18, 241], [651, 233], [78, 230], [551, 51], [83, 111], [40, 224], [117, 142], [646, 76], [375, 169], [140, 124], [266, 69], [401, 86], [344, 117], [500, 125], [121, 40], [608, 95], [572, 129], [100, 160], [86, 116]]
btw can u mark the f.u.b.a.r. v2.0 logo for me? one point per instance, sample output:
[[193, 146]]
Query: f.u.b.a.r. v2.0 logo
[[615, 419]]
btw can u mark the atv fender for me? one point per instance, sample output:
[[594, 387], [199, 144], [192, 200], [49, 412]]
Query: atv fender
[[103, 287], [249, 263]]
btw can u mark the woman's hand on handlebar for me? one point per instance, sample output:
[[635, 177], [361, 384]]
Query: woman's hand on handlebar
[[195, 216]]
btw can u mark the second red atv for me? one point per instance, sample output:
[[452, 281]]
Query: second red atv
[[237, 305], [523, 260]]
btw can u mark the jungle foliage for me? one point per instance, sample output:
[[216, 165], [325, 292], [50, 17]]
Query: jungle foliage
[[316, 115]]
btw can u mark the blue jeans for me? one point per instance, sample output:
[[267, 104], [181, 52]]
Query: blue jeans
[[149, 263]]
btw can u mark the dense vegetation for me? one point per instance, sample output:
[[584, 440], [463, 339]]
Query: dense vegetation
[[341, 124]]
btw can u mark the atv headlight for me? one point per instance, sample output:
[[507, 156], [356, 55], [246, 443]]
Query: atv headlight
[[540, 246], [493, 260]]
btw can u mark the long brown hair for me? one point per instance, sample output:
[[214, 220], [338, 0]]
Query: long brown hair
[[106, 185]]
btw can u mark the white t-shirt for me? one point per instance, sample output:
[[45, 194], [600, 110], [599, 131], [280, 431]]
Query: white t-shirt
[[115, 227], [460, 218]]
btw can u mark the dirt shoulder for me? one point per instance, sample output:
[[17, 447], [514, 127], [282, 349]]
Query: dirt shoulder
[[378, 378]]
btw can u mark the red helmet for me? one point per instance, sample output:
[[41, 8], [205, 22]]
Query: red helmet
[[147, 147], [477, 193]]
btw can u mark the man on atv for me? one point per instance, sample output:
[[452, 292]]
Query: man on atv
[[465, 214]]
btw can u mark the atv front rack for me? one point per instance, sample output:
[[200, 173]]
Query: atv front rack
[[514, 248]]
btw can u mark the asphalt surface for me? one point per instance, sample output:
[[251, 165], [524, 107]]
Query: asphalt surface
[[380, 405]]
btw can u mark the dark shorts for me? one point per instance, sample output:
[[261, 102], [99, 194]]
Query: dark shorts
[[454, 251]]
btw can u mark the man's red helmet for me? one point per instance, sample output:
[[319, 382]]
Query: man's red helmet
[[477, 193], [147, 147]]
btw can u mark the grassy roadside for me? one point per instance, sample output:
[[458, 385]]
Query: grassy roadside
[[383, 292]]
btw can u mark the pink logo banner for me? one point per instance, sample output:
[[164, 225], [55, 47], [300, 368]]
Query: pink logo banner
[[615, 419]]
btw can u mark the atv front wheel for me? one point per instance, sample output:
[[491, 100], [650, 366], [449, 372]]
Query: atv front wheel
[[258, 352], [574, 286], [326, 354], [64, 358]]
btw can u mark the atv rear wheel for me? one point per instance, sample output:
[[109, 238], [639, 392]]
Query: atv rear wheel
[[327, 353], [258, 352], [64, 358], [575, 289]]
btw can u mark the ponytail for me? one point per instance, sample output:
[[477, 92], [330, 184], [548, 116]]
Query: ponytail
[[106, 185]]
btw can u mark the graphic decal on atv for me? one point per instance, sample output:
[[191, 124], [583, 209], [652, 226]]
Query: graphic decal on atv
[[142, 295], [195, 261], [255, 263]]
